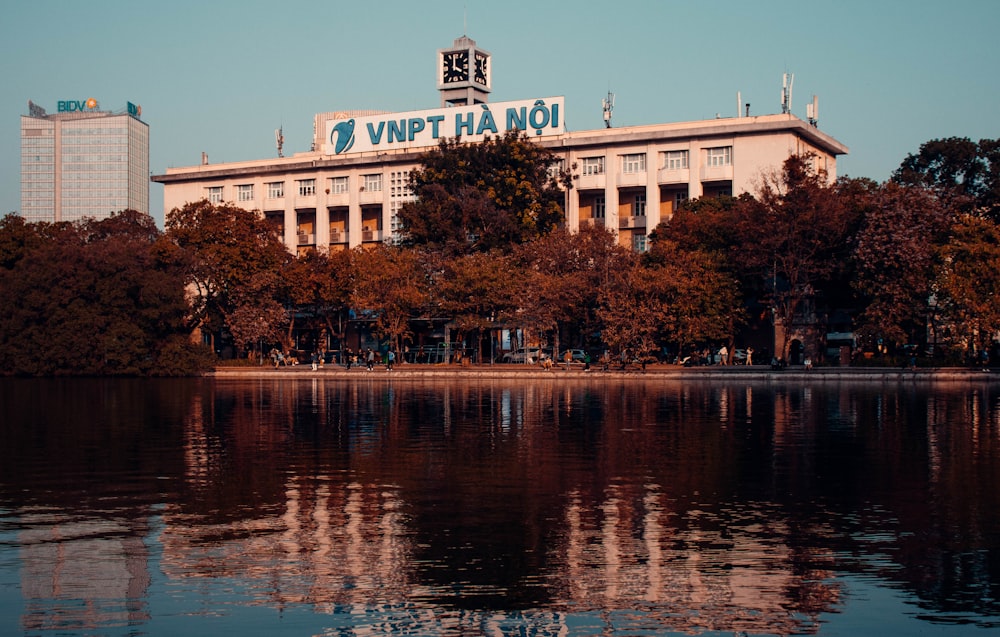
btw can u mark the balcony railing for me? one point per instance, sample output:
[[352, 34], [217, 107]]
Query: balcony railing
[[631, 222]]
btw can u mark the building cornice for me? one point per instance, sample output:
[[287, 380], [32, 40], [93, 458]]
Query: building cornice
[[303, 162], [603, 137], [704, 129]]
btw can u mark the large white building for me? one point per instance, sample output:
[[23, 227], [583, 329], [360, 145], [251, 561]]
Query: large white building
[[347, 189], [82, 162]]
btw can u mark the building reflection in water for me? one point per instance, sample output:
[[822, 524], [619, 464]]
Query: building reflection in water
[[344, 532], [78, 496], [81, 574], [576, 507]]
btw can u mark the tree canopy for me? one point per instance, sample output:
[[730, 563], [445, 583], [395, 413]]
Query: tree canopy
[[233, 260], [92, 297], [485, 249], [896, 256], [966, 174], [485, 196]]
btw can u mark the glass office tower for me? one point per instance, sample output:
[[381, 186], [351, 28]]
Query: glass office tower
[[83, 164]]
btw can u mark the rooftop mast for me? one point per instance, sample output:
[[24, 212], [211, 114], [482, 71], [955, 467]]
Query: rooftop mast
[[608, 104]]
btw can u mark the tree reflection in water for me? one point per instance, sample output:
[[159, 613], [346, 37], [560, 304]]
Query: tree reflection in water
[[570, 507]]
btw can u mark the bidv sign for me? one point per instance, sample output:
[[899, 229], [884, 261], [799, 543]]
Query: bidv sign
[[425, 128], [71, 106]]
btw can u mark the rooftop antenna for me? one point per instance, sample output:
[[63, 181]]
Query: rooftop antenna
[[608, 105], [787, 79], [812, 111], [279, 139]]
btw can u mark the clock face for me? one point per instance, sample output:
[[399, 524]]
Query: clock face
[[482, 71], [456, 67]]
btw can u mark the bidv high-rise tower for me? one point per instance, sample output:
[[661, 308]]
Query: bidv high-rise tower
[[82, 162]]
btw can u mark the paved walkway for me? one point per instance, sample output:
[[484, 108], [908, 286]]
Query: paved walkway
[[652, 372]]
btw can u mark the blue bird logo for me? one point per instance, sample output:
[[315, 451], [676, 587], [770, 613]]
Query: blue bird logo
[[342, 137]]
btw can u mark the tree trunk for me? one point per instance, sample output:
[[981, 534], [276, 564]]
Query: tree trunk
[[291, 327]]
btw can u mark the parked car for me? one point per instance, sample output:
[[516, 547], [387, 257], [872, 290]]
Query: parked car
[[576, 356], [530, 355]]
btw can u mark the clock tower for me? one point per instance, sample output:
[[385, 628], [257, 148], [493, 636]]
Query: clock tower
[[464, 73]]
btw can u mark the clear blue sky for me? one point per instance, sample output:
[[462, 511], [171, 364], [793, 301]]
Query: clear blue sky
[[219, 77]]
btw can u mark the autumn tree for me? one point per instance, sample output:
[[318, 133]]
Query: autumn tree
[[93, 297], [705, 302], [389, 285], [711, 224], [970, 280], [233, 260], [318, 285], [477, 291], [18, 237], [560, 276], [477, 197], [897, 257], [705, 238], [795, 234], [630, 311], [965, 174]]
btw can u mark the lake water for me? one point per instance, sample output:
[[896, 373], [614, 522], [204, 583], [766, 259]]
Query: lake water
[[604, 506]]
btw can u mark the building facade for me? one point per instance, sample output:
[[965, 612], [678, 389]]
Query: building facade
[[347, 189], [82, 162]]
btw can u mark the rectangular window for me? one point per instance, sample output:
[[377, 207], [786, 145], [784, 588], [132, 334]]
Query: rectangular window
[[338, 185], [244, 192], [675, 159], [399, 186], [307, 187], [556, 169], [639, 205], [639, 243], [599, 207], [720, 156], [593, 165], [276, 190], [679, 198], [399, 194], [634, 163], [373, 183], [214, 194]]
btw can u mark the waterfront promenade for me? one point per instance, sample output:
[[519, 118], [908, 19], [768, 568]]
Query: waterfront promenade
[[652, 372]]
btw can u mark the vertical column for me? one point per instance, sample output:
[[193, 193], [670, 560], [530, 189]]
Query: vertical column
[[571, 202], [652, 189], [354, 236], [57, 172], [322, 228], [291, 230], [694, 171], [385, 231], [611, 170]]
